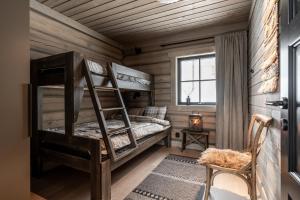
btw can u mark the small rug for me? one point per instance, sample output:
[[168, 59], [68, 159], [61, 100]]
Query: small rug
[[175, 178]]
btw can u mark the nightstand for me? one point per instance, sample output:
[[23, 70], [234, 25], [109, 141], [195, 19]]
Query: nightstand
[[199, 137]]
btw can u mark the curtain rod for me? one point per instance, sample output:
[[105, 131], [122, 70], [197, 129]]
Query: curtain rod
[[175, 43], [212, 37]]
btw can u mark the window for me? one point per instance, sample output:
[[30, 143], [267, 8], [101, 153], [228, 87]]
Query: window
[[197, 80]]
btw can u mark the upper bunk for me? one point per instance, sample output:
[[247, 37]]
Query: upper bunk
[[66, 70]]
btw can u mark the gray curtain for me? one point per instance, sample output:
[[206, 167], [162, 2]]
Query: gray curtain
[[232, 90]]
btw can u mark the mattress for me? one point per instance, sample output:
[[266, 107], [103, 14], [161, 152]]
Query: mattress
[[98, 69], [141, 128]]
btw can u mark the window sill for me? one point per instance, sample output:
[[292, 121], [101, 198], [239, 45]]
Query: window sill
[[207, 108]]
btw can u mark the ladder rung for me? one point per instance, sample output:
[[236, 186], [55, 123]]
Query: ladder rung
[[112, 109], [118, 131], [90, 75], [98, 74], [105, 88]]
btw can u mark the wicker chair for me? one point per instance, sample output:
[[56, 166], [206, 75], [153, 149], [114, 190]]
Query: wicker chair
[[241, 164]]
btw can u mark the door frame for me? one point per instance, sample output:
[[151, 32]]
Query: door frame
[[289, 39]]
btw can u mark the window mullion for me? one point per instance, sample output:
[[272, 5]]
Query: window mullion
[[179, 100], [199, 81]]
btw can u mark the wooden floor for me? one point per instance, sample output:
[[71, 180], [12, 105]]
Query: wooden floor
[[36, 197], [64, 183]]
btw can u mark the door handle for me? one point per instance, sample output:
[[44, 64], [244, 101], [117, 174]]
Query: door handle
[[283, 103]]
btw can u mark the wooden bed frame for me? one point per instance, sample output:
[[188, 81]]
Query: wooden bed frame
[[82, 153]]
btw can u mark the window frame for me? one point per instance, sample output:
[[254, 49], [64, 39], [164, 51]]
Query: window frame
[[179, 60]]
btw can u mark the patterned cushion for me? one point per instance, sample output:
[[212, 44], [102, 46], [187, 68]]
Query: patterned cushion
[[156, 112], [138, 118], [135, 111], [161, 113]]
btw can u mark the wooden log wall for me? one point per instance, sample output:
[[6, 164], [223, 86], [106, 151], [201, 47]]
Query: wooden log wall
[[269, 158], [158, 57], [137, 99], [53, 107], [52, 33], [161, 63]]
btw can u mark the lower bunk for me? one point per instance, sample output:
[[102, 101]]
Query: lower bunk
[[86, 151]]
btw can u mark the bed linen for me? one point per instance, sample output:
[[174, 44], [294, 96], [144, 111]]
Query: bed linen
[[142, 126]]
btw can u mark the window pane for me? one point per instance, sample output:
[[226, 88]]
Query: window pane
[[190, 89], [189, 70], [208, 91], [208, 68]]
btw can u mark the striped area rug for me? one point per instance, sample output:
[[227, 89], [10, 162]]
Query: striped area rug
[[175, 178]]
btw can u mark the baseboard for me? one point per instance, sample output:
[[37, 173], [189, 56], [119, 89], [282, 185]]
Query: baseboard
[[176, 143]]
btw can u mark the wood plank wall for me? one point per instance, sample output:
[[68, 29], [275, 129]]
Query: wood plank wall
[[269, 158], [49, 37], [160, 61], [53, 107], [158, 57]]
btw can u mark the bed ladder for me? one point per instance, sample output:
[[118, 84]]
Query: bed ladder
[[106, 134]]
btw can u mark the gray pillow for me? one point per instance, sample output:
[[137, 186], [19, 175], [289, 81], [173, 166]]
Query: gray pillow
[[156, 112]]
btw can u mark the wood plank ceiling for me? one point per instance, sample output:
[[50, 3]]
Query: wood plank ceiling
[[133, 21]]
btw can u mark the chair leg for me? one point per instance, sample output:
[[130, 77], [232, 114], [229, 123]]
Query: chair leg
[[212, 179], [208, 182], [249, 184], [253, 185]]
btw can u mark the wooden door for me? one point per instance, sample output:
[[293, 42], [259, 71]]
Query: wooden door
[[290, 88]]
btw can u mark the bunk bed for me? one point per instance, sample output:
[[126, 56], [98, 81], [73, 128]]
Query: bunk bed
[[97, 147]]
